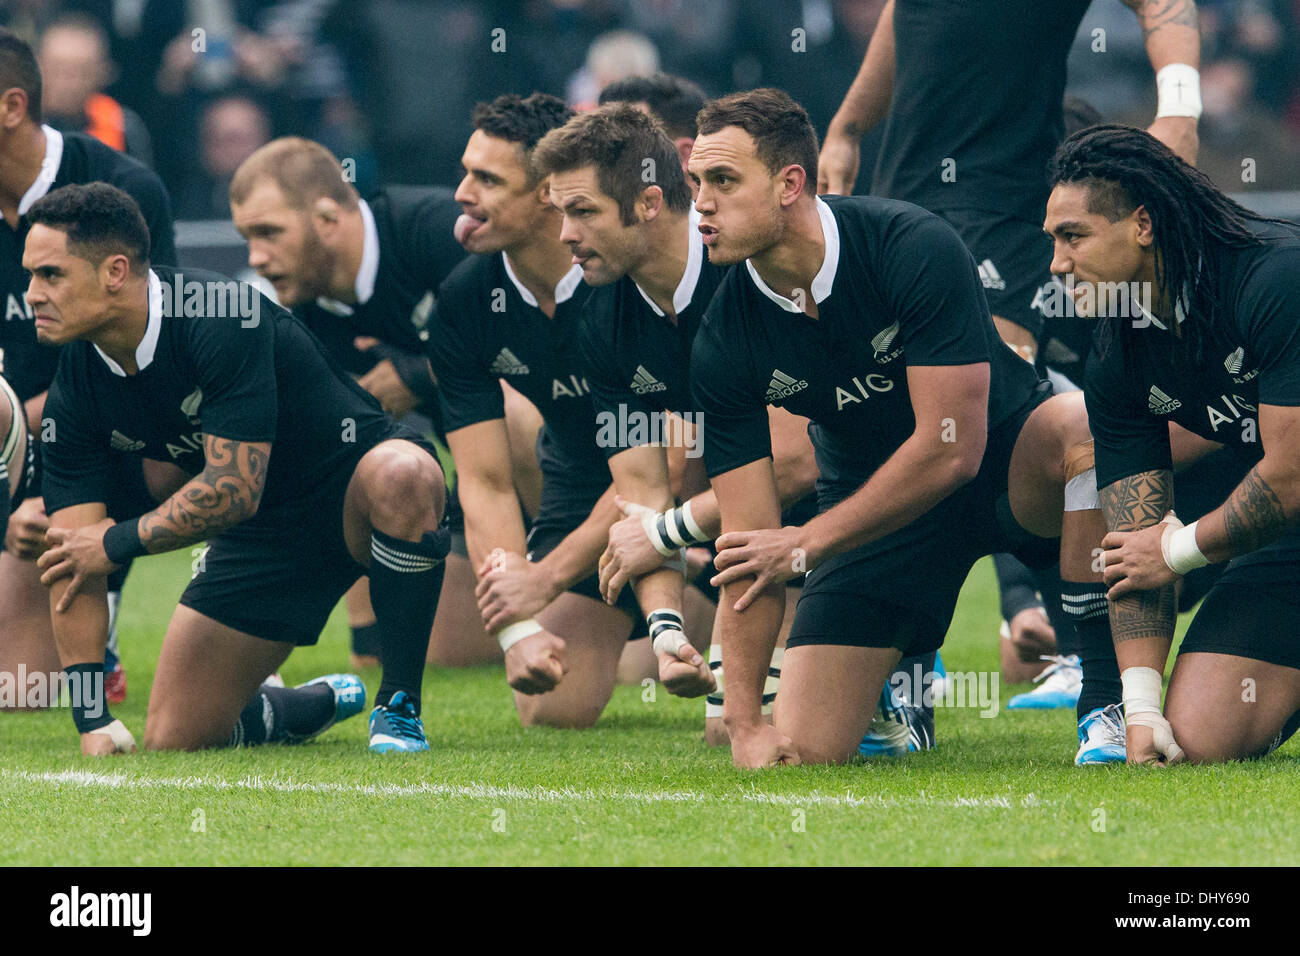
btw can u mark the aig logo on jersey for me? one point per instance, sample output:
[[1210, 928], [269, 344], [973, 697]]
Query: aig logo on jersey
[[17, 308], [864, 386], [883, 343]]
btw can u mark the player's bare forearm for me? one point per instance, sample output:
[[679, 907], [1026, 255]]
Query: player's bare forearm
[[659, 589], [867, 100], [1141, 622], [1169, 29], [578, 555], [748, 499], [1260, 510], [485, 485], [226, 492]]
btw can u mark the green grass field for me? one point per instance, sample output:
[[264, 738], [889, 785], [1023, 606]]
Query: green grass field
[[641, 788]]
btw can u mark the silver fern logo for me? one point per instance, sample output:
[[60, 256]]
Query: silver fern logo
[[883, 342], [190, 407], [1236, 360]]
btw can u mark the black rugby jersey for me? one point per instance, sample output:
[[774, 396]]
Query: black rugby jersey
[[897, 288], [28, 365], [977, 83], [1139, 380], [415, 251], [243, 369], [488, 327], [637, 359]]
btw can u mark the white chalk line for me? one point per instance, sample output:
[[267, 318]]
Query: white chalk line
[[484, 791]]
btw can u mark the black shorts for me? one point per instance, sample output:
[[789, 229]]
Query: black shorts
[[901, 590], [1253, 609], [569, 491], [1014, 259], [279, 574]]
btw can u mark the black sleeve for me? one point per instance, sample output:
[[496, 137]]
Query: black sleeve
[[433, 240], [467, 389], [234, 363], [144, 186], [1015, 585], [1128, 439], [75, 467], [1268, 312], [411, 367], [734, 427], [933, 288]]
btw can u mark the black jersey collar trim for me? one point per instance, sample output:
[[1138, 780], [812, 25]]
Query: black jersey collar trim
[[564, 289], [144, 352], [825, 278], [685, 290], [49, 170]]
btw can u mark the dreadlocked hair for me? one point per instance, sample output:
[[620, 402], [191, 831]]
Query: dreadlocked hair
[[1122, 168]]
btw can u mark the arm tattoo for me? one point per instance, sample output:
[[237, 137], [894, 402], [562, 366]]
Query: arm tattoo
[[1132, 504], [1138, 501], [225, 493], [1253, 516], [1155, 14]]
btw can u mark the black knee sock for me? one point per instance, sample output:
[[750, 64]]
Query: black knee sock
[[405, 578], [1049, 584], [365, 641], [1086, 606], [913, 675], [283, 713]]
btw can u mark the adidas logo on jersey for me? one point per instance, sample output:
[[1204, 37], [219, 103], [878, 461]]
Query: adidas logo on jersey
[[882, 343], [119, 442], [1160, 403], [783, 386], [643, 383], [507, 364], [990, 276]]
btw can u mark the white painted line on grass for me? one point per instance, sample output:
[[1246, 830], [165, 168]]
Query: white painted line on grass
[[484, 791]]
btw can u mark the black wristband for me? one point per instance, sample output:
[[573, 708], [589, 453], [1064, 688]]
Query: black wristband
[[122, 542]]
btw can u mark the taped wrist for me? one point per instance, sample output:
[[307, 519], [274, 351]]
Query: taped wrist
[[667, 633]]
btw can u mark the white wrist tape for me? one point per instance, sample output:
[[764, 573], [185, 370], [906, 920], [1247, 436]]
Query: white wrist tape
[[1162, 734], [120, 736], [650, 521], [512, 634], [1179, 89], [1141, 691], [1179, 549], [682, 528], [666, 631]]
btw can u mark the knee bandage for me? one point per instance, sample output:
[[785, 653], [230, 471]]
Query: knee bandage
[[1081, 478]]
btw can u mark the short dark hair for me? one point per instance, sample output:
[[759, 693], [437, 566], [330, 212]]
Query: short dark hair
[[673, 100], [779, 126], [522, 119], [18, 69], [618, 140], [100, 220]]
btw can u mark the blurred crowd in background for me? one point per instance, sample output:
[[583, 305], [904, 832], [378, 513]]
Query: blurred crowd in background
[[192, 87]]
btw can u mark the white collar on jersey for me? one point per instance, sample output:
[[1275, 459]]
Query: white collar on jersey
[[564, 289], [1180, 312], [49, 169], [368, 270], [685, 290], [825, 278], [149, 344]]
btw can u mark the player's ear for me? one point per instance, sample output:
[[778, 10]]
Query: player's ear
[[650, 203], [326, 212], [114, 271], [684, 146], [13, 107], [1142, 224], [791, 181]]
